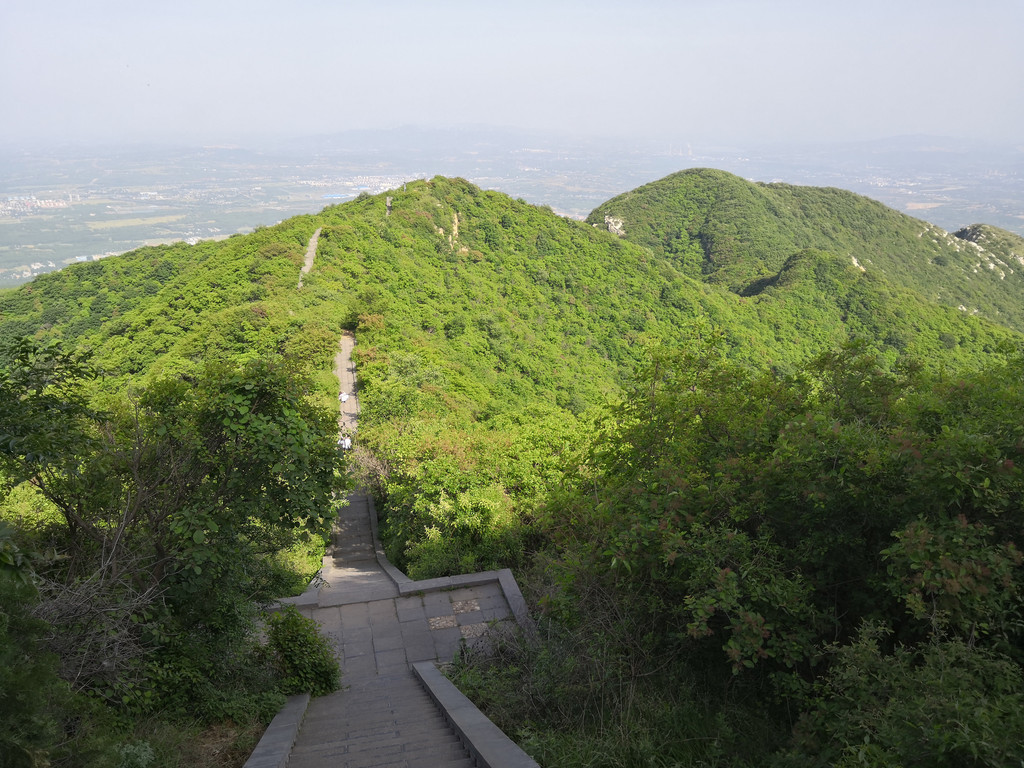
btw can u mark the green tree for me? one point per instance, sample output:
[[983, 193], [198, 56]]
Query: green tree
[[30, 690], [173, 499]]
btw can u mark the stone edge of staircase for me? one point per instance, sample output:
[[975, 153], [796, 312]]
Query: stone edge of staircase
[[275, 746], [406, 586], [488, 744]]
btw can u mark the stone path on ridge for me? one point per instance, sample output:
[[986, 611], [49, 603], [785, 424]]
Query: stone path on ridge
[[307, 263], [382, 717]]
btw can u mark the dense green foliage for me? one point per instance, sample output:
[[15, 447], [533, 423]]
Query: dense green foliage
[[719, 228], [165, 518], [165, 497], [486, 327], [749, 485], [846, 542], [303, 655], [27, 672]]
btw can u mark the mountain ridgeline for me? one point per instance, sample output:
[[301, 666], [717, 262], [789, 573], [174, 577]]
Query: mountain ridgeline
[[718, 228], [784, 272], [484, 323], [717, 428]]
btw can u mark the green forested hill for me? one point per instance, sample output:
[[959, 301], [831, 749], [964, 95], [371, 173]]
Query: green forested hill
[[721, 229], [480, 317], [717, 449], [135, 308], [521, 298]]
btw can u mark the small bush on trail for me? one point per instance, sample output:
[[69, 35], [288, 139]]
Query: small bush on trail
[[304, 657]]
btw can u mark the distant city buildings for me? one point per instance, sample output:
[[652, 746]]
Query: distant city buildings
[[26, 271], [29, 204]]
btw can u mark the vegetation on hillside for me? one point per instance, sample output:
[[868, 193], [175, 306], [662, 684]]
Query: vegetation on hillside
[[837, 553], [719, 228], [765, 501], [167, 467]]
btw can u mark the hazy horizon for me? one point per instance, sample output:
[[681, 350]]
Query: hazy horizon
[[731, 71]]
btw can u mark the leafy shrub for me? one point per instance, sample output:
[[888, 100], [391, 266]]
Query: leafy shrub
[[944, 703], [42, 722], [303, 656], [952, 574], [473, 531], [136, 754], [580, 692], [27, 677]]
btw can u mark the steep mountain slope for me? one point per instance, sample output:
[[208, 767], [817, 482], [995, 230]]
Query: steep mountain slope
[[478, 313], [721, 229]]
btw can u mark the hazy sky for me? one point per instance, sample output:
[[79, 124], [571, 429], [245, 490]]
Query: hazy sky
[[689, 70]]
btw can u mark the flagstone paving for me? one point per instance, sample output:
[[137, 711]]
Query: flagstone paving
[[382, 716]]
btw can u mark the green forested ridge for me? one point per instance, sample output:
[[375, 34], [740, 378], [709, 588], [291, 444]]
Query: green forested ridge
[[135, 308], [764, 500], [1004, 250], [719, 228]]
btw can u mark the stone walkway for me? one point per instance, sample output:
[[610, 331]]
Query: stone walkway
[[381, 623], [307, 262], [382, 716], [345, 370]]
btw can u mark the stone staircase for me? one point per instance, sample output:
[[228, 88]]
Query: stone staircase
[[394, 710], [385, 721], [384, 627]]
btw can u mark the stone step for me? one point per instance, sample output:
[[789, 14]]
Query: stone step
[[450, 748], [393, 760], [348, 555], [367, 714], [397, 760], [382, 717], [434, 748], [369, 727]]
